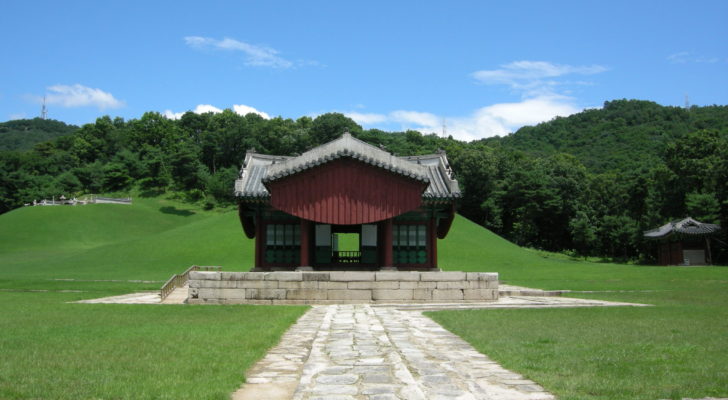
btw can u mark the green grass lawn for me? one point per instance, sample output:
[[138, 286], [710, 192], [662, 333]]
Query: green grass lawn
[[55, 349], [676, 349]]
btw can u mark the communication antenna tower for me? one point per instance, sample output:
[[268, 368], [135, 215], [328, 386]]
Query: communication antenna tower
[[687, 102], [44, 110], [444, 128]]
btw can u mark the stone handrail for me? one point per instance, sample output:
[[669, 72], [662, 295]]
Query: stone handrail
[[179, 280]]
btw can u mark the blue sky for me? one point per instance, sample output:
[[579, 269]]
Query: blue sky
[[480, 68]]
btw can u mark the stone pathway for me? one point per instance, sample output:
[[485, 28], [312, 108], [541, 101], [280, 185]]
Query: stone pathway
[[381, 352], [388, 352]]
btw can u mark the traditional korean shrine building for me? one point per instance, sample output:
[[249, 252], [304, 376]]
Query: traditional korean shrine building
[[391, 209], [684, 242]]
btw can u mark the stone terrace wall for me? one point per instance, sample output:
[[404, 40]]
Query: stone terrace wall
[[337, 287]]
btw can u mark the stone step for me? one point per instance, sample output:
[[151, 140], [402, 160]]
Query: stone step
[[511, 290]]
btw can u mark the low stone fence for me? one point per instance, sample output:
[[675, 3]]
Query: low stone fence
[[337, 287]]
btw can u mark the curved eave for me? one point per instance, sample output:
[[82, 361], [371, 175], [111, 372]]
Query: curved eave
[[345, 154], [426, 198]]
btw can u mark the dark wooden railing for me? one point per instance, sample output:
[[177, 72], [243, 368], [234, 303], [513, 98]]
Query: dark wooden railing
[[346, 257], [179, 280]]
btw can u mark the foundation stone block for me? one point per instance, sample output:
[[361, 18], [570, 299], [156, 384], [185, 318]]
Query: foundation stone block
[[284, 276], [387, 294], [298, 285], [265, 294], [349, 295], [442, 276], [349, 276], [397, 276], [205, 275], [479, 294], [422, 294], [447, 294], [316, 276], [258, 284], [332, 285], [373, 285], [453, 285], [232, 276], [306, 294], [254, 276]]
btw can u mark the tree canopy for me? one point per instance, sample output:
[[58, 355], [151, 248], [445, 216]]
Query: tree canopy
[[589, 183]]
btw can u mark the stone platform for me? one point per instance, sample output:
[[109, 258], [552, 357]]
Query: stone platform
[[341, 287]]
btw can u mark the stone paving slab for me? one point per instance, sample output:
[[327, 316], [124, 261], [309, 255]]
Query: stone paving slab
[[516, 302], [178, 296], [365, 351], [131, 298]]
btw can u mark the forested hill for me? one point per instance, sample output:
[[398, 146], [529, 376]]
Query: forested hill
[[623, 134], [23, 134], [590, 183]]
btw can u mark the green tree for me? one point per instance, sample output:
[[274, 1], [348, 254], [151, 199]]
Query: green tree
[[327, 127], [583, 233], [703, 206]]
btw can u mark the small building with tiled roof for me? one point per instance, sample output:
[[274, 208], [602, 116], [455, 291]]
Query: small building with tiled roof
[[683, 242], [395, 207]]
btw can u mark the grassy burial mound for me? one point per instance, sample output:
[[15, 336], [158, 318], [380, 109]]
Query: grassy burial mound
[[149, 240]]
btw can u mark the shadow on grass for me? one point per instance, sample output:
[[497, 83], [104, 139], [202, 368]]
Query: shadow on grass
[[151, 193], [176, 211]]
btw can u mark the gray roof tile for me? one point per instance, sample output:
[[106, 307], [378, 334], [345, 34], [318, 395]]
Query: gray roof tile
[[433, 168], [687, 226]]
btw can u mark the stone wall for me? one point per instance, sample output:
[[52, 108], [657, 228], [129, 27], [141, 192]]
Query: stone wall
[[337, 287]]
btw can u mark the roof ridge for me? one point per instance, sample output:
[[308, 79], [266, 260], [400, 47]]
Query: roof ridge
[[347, 146]]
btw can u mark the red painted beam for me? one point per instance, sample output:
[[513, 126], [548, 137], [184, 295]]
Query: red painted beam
[[388, 258], [305, 243]]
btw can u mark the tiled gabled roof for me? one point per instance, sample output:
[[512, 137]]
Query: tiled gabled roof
[[433, 169], [346, 146], [687, 226]]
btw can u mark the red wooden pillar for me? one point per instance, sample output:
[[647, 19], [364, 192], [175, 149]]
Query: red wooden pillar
[[259, 240], [305, 243], [432, 236], [388, 260]]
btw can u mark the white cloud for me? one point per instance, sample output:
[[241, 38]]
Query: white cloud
[[530, 111], [678, 58], [497, 119], [417, 118], [366, 118], [240, 109], [259, 56], [684, 57], [80, 96], [534, 78], [16, 116]]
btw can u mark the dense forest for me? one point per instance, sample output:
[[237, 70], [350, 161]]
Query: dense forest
[[22, 134], [587, 184]]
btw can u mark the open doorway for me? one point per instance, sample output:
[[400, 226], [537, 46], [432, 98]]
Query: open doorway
[[346, 247]]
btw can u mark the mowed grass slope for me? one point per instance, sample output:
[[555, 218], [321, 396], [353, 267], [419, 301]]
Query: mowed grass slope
[[54, 349], [470, 247], [149, 240], [675, 349]]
